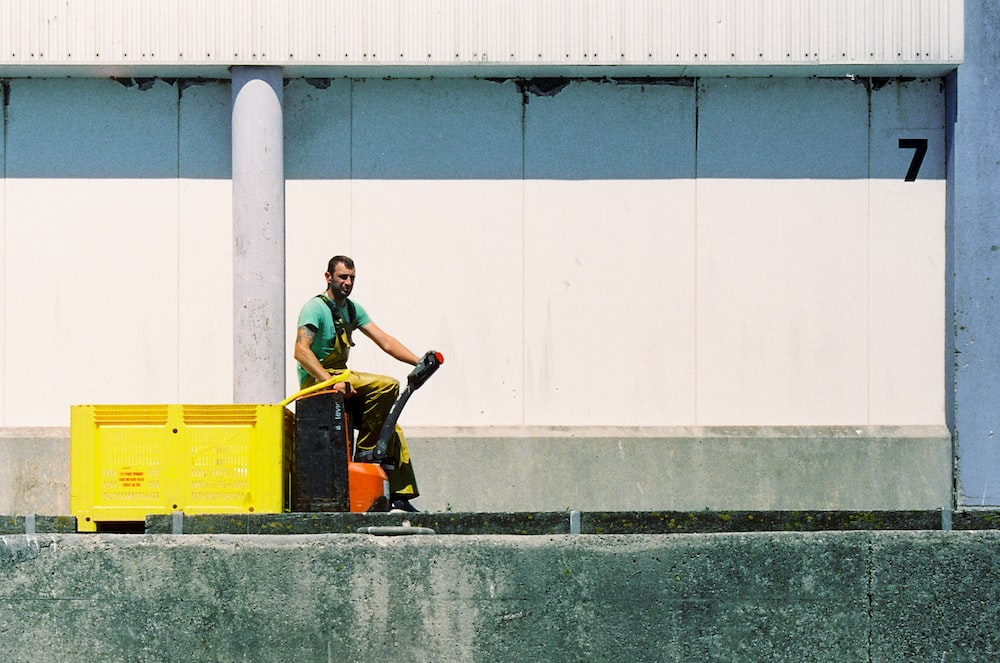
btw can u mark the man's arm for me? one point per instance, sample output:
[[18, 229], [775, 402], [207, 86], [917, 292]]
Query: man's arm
[[389, 344], [307, 358]]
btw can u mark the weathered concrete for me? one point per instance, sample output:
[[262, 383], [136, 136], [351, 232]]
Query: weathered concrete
[[527, 523], [35, 524], [689, 469], [34, 470], [607, 469], [854, 596], [573, 522]]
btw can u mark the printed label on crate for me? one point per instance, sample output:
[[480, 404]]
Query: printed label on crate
[[130, 477]]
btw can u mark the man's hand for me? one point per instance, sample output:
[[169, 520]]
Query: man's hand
[[344, 388]]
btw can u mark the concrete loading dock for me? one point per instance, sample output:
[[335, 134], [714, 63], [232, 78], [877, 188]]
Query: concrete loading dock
[[747, 596]]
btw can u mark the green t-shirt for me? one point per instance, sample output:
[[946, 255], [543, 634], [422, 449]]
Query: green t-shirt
[[317, 316]]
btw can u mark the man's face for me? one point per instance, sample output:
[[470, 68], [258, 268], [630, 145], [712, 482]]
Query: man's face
[[341, 281]]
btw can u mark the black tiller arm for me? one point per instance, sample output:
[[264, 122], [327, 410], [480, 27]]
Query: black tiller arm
[[425, 368]]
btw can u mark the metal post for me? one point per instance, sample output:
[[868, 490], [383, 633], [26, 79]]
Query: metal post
[[258, 235]]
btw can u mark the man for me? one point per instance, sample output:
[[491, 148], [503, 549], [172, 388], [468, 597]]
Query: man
[[322, 346]]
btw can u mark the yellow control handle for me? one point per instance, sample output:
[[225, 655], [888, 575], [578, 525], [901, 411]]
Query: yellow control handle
[[339, 377]]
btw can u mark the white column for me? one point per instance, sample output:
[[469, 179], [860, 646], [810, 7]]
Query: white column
[[258, 236]]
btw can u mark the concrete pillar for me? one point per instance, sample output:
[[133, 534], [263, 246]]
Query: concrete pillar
[[258, 236], [975, 261]]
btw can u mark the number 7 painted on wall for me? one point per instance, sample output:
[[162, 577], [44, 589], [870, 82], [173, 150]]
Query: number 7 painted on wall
[[919, 147]]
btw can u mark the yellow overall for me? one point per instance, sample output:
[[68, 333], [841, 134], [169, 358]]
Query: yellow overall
[[376, 394]]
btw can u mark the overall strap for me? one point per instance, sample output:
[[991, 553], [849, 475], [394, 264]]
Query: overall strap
[[343, 331]]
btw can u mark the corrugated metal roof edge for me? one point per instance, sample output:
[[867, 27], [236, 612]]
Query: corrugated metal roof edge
[[492, 71]]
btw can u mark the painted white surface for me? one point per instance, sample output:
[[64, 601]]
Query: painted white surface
[[782, 302], [104, 313], [782, 252], [585, 259], [446, 278], [3, 281], [610, 232], [907, 256], [907, 302], [119, 272], [205, 245], [92, 296], [610, 302], [205, 368]]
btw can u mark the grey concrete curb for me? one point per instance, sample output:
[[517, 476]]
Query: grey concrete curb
[[577, 522], [526, 523], [31, 524]]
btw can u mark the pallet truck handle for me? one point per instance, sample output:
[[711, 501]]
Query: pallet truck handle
[[425, 368], [343, 376]]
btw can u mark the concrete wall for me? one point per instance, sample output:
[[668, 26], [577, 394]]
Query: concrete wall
[[858, 596], [725, 254], [766, 265], [34, 472], [107, 192], [619, 469], [627, 468]]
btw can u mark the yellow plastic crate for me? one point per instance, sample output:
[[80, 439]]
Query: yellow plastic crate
[[130, 461]]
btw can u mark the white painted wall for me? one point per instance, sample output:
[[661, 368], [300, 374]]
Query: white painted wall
[[736, 252], [117, 247]]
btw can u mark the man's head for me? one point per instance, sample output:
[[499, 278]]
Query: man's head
[[340, 277], [339, 260]]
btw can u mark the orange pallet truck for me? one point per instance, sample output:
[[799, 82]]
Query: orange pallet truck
[[324, 474]]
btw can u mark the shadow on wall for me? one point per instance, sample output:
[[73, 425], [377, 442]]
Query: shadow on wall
[[101, 128], [480, 129]]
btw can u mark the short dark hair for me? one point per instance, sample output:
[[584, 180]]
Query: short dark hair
[[339, 260]]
